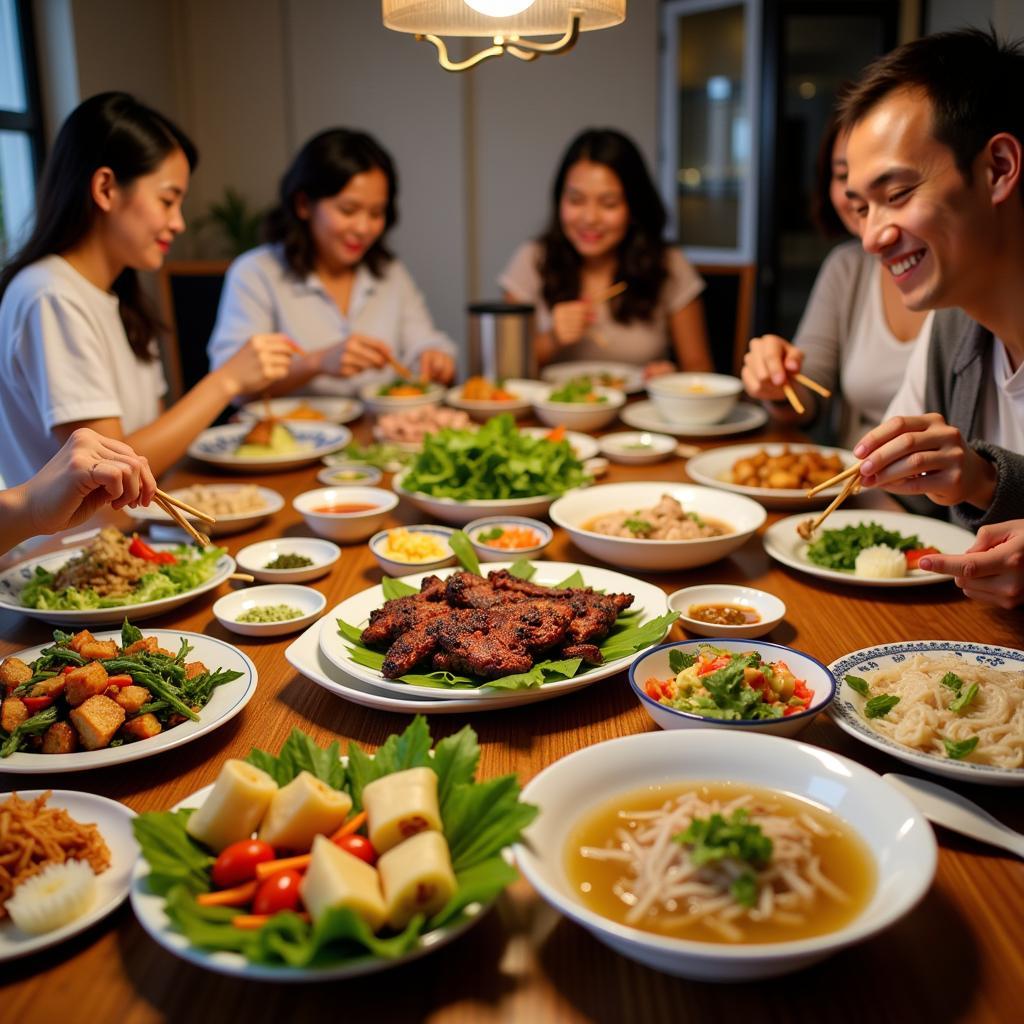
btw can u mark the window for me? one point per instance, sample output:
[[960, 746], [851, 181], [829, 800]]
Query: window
[[20, 127]]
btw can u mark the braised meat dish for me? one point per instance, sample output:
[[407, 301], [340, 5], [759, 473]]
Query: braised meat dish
[[491, 627]]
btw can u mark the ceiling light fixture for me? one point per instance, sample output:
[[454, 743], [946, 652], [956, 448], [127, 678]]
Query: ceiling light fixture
[[505, 22]]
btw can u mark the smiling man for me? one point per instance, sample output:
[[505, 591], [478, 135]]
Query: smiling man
[[935, 153]]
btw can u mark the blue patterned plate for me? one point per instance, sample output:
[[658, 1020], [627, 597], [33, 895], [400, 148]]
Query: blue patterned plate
[[218, 444], [846, 708]]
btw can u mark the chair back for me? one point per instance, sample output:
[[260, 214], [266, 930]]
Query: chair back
[[728, 310]]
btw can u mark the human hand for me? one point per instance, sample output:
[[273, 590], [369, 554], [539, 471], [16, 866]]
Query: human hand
[[991, 570], [769, 363], [89, 471], [263, 359], [658, 368], [358, 353], [570, 320], [925, 455], [436, 365]]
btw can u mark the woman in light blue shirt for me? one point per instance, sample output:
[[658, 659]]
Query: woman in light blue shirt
[[326, 278]]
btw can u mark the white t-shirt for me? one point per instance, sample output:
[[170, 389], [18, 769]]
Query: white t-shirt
[[262, 296], [64, 357], [876, 364]]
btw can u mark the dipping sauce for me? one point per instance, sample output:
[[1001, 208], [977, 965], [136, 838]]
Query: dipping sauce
[[343, 510], [289, 561], [351, 476], [270, 613], [724, 614], [508, 538]]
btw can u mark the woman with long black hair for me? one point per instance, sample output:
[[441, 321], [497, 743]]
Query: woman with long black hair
[[605, 229], [327, 278], [77, 336]]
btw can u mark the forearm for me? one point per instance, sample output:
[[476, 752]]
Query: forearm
[[545, 347], [15, 522]]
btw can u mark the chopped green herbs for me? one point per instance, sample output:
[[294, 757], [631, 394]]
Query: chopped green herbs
[[579, 389], [838, 549], [880, 706], [678, 660], [952, 682], [639, 527], [289, 561], [718, 838], [960, 703], [858, 685], [957, 750]]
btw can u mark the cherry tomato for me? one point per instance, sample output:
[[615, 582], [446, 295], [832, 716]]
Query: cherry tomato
[[237, 862], [358, 846], [278, 892], [914, 555]]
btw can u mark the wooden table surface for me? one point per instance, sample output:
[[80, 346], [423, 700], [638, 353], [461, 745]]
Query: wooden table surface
[[958, 956]]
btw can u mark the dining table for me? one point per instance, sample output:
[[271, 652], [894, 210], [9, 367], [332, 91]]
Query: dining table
[[957, 956]]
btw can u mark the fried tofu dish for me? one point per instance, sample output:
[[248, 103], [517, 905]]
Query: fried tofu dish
[[490, 627]]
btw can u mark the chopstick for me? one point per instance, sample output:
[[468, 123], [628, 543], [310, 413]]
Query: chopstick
[[806, 529], [399, 367], [832, 481], [185, 507], [610, 292], [200, 538], [812, 384], [243, 577], [793, 400]]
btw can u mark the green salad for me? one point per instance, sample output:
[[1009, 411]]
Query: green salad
[[579, 389], [838, 549], [495, 462], [478, 820], [85, 581]]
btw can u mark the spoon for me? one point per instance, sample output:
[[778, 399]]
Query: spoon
[[956, 812]]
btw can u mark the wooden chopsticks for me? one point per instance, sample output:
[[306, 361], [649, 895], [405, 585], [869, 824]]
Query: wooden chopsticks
[[806, 529], [610, 292], [399, 367], [813, 385], [850, 471], [171, 505], [169, 499]]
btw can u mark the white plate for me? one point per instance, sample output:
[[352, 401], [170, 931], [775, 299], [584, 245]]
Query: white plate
[[335, 410], [217, 446], [233, 522], [14, 579], [845, 708], [637, 448], [254, 557], [482, 410], [785, 545], [744, 417], [307, 600], [226, 702], [583, 445], [149, 909], [631, 375], [114, 822], [356, 611], [305, 656], [714, 467]]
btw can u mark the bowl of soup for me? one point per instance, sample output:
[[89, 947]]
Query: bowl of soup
[[694, 398], [347, 514], [657, 526], [632, 843]]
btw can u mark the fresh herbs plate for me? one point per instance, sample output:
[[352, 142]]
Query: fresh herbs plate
[[480, 820]]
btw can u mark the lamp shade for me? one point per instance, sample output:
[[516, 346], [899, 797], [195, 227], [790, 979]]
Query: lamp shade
[[458, 18]]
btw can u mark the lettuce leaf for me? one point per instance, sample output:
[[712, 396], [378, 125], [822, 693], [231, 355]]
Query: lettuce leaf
[[300, 754]]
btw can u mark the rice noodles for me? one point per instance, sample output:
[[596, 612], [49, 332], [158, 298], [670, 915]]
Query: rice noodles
[[33, 836], [653, 882], [922, 719]]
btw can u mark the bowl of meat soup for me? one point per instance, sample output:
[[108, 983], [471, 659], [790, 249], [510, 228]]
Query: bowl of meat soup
[[847, 855], [657, 526]]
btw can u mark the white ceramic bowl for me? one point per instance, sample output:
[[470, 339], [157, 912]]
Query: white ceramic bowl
[[309, 601], [655, 664], [637, 447], [335, 410], [349, 474], [897, 836], [393, 567], [573, 510], [694, 397], [482, 410], [488, 553], [345, 526], [227, 522], [770, 609], [386, 403], [458, 513], [254, 557], [583, 416]]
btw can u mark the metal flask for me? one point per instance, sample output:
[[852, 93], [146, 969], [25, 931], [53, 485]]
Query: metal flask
[[501, 341]]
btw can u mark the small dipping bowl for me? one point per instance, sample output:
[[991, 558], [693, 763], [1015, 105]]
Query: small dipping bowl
[[347, 527], [489, 553], [637, 447], [396, 567], [349, 474], [254, 557], [768, 607], [307, 600]]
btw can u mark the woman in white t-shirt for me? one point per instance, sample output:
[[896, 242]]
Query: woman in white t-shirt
[[327, 279], [77, 336], [606, 229], [855, 336]]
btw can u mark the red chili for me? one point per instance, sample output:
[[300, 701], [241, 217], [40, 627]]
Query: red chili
[[140, 549], [35, 704]]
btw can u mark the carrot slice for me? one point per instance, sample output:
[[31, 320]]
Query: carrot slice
[[253, 922], [354, 824], [240, 896], [271, 867]]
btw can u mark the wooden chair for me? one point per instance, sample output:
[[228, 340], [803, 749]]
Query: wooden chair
[[729, 309], [189, 296]]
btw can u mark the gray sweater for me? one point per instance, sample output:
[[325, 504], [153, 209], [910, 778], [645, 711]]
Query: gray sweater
[[959, 372]]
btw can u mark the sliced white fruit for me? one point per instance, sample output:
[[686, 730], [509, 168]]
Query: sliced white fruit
[[303, 809], [400, 805], [417, 878], [236, 805], [335, 878]]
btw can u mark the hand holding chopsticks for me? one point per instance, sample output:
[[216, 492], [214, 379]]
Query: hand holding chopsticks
[[773, 364]]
